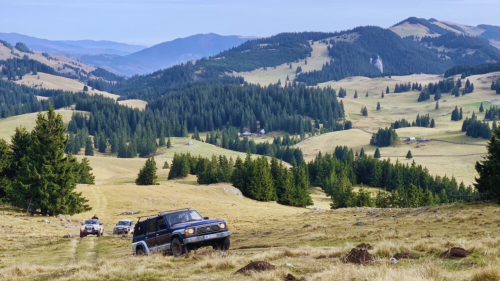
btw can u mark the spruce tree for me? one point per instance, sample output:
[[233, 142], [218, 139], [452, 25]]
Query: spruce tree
[[437, 105], [5, 163], [382, 96], [356, 94], [169, 144], [377, 154], [433, 123], [481, 108], [408, 155], [166, 165], [489, 169], [366, 94], [387, 90], [261, 183], [301, 196], [85, 174], [378, 105], [89, 148], [362, 153], [147, 175], [46, 179]]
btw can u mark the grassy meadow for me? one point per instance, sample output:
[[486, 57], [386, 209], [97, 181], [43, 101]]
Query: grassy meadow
[[306, 242]]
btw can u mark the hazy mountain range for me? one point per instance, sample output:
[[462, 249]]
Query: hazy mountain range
[[165, 54]]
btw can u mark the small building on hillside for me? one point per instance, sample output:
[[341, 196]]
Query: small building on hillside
[[410, 139], [246, 134], [189, 143], [262, 132], [423, 139]]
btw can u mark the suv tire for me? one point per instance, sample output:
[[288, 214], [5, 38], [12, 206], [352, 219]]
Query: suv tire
[[82, 235], [222, 244], [178, 248], [98, 233], [140, 252]]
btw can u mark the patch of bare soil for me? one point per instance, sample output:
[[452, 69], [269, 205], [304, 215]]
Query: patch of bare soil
[[365, 246], [358, 256], [256, 266], [454, 253], [290, 277], [404, 255]]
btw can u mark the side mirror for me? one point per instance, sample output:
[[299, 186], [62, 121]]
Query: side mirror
[[206, 218]]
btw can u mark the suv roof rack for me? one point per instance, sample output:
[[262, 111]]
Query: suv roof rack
[[161, 213]]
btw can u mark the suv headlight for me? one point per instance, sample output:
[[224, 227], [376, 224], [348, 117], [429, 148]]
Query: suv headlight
[[189, 231], [82, 228], [222, 225], [96, 227]]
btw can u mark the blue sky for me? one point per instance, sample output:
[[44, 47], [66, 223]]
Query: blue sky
[[149, 22]]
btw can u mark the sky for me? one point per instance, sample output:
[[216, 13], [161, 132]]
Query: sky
[[149, 22]]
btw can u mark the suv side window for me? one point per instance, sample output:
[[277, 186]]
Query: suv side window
[[139, 229], [162, 225], [151, 226]]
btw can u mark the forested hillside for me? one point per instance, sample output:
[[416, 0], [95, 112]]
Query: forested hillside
[[398, 56]]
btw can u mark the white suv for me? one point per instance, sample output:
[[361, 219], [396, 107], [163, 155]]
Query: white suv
[[92, 226]]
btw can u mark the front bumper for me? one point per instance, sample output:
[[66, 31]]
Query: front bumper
[[207, 237], [120, 231], [93, 232]]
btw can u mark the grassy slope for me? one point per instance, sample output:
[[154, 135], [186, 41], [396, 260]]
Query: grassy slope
[[140, 104], [53, 82], [319, 56]]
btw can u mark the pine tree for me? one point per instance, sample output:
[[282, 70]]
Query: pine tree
[[196, 134], [489, 169], [437, 105], [377, 153], [378, 105], [433, 123], [387, 90], [147, 175], [408, 155], [46, 179], [103, 144], [481, 108], [86, 177], [169, 144], [362, 153], [366, 94], [356, 94], [443, 197], [382, 96], [166, 165], [261, 183], [89, 148]]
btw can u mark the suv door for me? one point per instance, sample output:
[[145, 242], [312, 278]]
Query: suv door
[[151, 235], [163, 235]]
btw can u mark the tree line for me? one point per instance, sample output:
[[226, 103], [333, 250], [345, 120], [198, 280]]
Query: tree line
[[404, 185], [256, 178], [476, 129], [421, 121], [468, 70], [280, 149]]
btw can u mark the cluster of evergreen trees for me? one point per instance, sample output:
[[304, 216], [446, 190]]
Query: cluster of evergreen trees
[[492, 114], [456, 114], [364, 111], [256, 178], [476, 129], [343, 92], [15, 69], [401, 88], [496, 86], [489, 169], [384, 137], [36, 175], [280, 148], [424, 121], [468, 70], [445, 86], [405, 185]]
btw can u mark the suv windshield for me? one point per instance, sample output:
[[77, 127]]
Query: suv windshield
[[124, 223], [185, 216], [92, 222]]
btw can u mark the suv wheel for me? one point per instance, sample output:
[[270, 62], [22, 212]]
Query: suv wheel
[[178, 249], [82, 235], [222, 244], [99, 233], [139, 252]]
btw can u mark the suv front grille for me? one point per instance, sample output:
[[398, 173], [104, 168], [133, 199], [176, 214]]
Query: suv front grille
[[207, 228]]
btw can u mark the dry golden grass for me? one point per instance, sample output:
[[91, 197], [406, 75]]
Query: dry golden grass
[[319, 57], [53, 82], [139, 104], [8, 125]]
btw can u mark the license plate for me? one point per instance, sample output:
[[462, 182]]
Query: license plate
[[89, 230], [210, 236]]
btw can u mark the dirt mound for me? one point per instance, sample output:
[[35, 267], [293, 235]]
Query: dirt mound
[[256, 266], [358, 256], [404, 255], [365, 246], [454, 253], [290, 277]]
